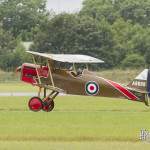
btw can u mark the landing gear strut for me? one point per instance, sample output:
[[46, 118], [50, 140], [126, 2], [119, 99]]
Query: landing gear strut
[[46, 104]]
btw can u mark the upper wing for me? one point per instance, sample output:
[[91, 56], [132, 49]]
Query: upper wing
[[68, 57]]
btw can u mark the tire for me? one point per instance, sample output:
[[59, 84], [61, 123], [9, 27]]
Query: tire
[[35, 104], [48, 105]]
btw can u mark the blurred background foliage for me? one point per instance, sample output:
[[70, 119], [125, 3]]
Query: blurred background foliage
[[116, 31]]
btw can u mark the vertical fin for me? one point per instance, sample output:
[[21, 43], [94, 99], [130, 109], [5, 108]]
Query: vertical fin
[[140, 82]]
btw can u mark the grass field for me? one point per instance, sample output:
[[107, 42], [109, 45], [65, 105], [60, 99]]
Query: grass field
[[77, 123], [17, 87]]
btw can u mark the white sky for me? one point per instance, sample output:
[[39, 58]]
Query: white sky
[[59, 6]]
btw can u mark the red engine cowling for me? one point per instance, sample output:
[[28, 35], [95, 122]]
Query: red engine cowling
[[29, 72]]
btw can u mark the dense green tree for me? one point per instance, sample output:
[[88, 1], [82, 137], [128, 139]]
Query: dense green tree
[[147, 58], [67, 33], [117, 31], [20, 17], [100, 9], [129, 19], [7, 42], [131, 38], [133, 61], [19, 20], [12, 55], [135, 10]]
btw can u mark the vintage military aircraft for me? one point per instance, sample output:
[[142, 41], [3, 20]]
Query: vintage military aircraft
[[49, 75]]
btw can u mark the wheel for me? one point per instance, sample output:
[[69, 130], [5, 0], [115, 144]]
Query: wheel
[[35, 104], [48, 105]]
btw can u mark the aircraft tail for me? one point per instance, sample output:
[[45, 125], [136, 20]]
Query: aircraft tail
[[142, 84], [141, 81]]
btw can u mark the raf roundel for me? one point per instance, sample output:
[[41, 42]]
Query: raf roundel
[[91, 88]]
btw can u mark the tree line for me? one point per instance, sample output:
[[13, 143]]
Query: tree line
[[117, 31]]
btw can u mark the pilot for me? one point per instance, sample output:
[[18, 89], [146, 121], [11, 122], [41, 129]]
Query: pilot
[[79, 71]]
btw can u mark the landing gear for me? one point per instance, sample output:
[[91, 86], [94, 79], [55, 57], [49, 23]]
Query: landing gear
[[35, 104], [46, 104]]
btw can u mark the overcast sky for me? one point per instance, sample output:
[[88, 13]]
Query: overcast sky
[[64, 5]]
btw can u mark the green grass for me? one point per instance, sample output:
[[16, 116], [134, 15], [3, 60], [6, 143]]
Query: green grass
[[17, 87], [73, 145], [8, 76], [76, 123]]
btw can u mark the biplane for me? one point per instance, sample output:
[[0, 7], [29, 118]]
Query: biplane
[[48, 75]]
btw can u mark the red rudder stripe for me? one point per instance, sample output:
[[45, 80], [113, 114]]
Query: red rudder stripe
[[123, 90]]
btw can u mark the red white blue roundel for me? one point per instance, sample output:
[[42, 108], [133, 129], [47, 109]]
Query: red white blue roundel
[[91, 88]]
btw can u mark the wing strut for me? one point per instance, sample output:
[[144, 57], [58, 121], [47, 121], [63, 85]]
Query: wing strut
[[87, 66], [50, 73], [74, 67], [36, 69]]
